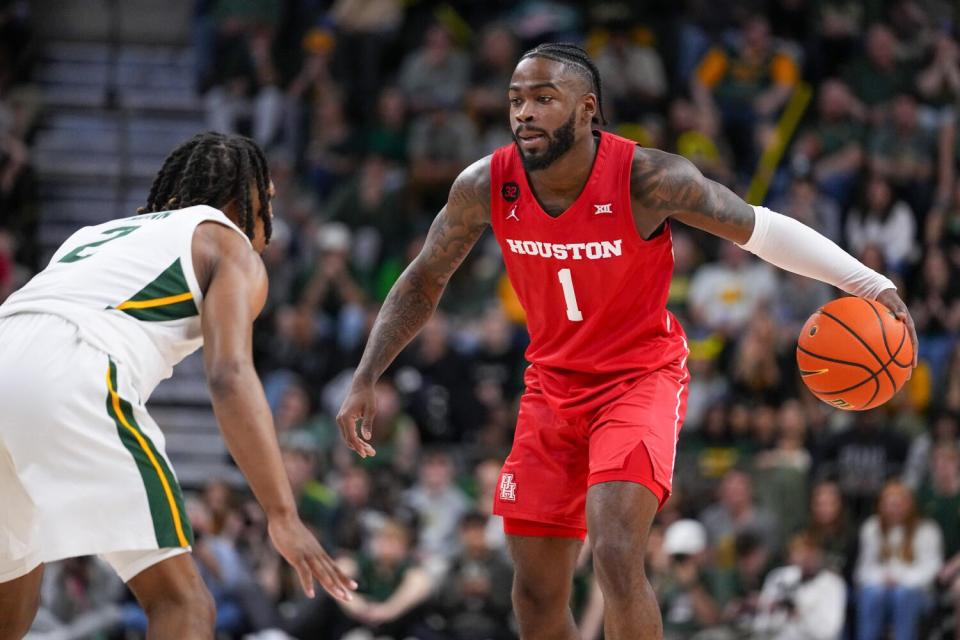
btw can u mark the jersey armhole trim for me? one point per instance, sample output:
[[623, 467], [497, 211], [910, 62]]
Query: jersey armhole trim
[[186, 257], [496, 162]]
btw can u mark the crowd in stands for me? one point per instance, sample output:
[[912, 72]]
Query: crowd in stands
[[19, 110], [788, 519]]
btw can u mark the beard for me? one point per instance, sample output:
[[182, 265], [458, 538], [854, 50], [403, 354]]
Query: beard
[[558, 143]]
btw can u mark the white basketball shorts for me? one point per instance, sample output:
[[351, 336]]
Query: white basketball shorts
[[82, 465]]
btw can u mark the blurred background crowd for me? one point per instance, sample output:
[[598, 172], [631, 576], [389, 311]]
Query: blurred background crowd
[[788, 520]]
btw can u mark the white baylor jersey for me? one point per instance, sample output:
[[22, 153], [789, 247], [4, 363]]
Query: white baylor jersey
[[130, 287]]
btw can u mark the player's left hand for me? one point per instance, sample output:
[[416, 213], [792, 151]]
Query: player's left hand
[[892, 301]]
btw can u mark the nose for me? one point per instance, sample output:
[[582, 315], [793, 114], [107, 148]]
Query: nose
[[524, 113]]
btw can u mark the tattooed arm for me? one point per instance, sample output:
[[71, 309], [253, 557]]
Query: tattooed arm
[[663, 185], [415, 295]]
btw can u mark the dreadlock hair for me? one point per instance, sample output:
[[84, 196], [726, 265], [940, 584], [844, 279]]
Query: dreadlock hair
[[575, 58], [213, 169]]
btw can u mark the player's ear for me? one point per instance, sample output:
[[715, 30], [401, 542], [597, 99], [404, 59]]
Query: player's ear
[[589, 107]]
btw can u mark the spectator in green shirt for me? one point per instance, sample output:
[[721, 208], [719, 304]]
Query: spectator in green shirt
[[746, 83], [781, 473], [832, 147], [939, 81], [877, 76], [684, 594], [903, 152], [832, 527], [315, 501], [940, 498], [737, 589], [392, 585]]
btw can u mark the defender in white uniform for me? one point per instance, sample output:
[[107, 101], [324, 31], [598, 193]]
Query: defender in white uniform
[[85, 342], [103, 324]]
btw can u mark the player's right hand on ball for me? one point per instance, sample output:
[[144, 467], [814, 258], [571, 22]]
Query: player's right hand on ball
[[300, 548], [358, 410]]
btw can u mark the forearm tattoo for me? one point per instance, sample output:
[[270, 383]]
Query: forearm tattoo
[[416, 293]]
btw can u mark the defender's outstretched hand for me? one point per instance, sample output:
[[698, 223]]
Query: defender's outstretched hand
[[359, 406], [892, 301], [300, 548]]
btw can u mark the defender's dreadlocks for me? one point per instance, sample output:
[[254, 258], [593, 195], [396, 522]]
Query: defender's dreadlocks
[[576, 59], [213, 169]]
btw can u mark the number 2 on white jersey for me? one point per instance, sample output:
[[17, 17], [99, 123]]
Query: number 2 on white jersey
[[569, 296]]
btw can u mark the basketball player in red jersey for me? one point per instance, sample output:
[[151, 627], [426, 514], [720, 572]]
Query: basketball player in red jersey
[[583, 218]]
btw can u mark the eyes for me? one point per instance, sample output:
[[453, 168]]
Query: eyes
[[516, 102]]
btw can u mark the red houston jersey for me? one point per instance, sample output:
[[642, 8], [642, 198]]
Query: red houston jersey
[[594, 291]]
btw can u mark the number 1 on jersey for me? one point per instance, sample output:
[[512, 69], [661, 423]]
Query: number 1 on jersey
[[569, 296]]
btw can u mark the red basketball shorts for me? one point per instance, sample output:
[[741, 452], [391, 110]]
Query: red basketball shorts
[[629, 433]]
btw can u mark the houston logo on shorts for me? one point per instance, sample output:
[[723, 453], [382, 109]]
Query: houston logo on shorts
[[508, 488]]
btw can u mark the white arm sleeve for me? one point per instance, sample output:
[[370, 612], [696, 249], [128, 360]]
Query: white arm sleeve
[[795, 247]]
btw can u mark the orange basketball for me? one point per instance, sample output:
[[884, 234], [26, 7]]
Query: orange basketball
[[854, 354]]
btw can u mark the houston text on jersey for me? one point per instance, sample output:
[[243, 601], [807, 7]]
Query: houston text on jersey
[[569, 251]]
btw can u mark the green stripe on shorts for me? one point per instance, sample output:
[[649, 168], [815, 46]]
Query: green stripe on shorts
[[170, 523]]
